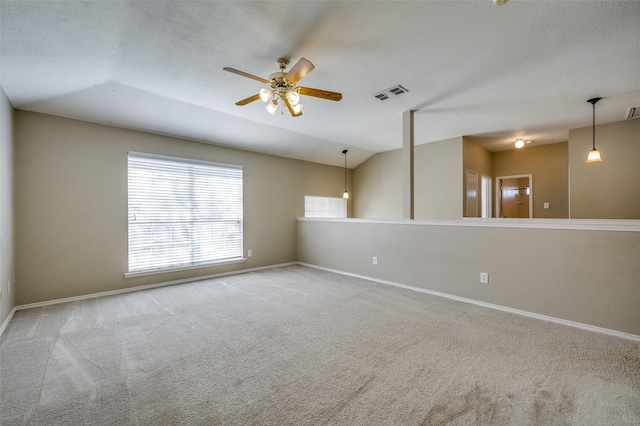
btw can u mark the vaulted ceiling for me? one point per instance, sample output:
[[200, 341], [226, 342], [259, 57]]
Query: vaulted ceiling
[[524, 69]]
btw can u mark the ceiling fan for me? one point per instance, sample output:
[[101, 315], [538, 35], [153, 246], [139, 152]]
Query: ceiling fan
[[282, 86]]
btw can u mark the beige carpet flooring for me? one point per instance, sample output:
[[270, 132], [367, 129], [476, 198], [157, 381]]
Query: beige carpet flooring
[[299, 346]]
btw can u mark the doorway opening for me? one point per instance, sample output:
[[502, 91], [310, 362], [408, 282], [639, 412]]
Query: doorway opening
[[514, 196], [485, 196]]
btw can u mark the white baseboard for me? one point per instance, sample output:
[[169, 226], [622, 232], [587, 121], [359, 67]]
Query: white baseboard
[[395, 284], [487, 305], [6, 322], [142, 287]]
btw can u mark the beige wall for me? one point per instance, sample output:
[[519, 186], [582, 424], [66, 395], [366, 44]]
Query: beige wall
[[377, 186], [608, 189], [590, 277], [437, 183], [71, 204], [438, 178], [549, 166], [478, 159], [7, 250]]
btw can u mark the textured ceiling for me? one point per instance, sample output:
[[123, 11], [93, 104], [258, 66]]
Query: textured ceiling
[[525, 69]]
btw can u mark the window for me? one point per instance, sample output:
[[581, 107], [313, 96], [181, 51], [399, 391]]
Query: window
[[325, 207], [182, 213]]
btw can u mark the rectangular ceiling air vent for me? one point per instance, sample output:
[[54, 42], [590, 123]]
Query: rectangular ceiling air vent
[[386, 94], [633, 112]]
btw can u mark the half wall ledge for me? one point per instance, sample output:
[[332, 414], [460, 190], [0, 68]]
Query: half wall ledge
[[629, 225]]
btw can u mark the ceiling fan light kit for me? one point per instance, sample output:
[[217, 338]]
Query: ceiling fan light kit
[[297, 109], [272, 107], [293, 97], [282, 86], [265, 94]]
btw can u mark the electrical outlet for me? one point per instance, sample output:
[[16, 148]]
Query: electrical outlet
[[375, 260], [484, 277], [249, 253], [546, 205]]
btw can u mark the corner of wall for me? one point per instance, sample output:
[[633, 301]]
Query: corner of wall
[[7, 208]]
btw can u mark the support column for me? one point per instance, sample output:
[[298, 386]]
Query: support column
[[407, 164]]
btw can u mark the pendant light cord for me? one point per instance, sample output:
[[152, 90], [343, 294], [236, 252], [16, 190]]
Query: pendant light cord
[[593, 104], [593, 127], [345, 170]]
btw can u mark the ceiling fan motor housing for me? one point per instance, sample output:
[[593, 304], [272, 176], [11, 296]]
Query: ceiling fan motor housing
[[280, 84], [282, 63], [277, 79]]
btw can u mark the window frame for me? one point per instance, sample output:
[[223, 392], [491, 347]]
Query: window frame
[[184, 162]]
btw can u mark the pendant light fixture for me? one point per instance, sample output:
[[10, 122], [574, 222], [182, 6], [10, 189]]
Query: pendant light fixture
[[346, 193], [594, 154]]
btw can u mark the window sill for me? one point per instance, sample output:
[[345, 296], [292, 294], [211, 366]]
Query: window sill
[[184, 268]]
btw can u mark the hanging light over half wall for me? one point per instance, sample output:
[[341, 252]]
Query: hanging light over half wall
[[594, 154], [346, 193]]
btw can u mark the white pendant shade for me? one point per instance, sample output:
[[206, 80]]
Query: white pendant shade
[[594, 156]]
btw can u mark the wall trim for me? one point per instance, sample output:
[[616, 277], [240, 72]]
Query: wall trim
[[6, 321], [534, 315], [626, 225], [142, 287]]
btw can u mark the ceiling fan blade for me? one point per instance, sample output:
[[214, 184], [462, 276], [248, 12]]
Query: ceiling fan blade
[[299, 70], [293, 113], [244, 74], [324, 94], [248, 100]]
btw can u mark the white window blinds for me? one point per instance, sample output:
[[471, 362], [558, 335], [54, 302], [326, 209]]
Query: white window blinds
[[182, 213]]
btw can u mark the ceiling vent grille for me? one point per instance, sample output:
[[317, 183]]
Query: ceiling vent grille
[[392, 91], [633, 112]]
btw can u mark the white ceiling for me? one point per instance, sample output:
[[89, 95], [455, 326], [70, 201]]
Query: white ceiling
[[524, 69]]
